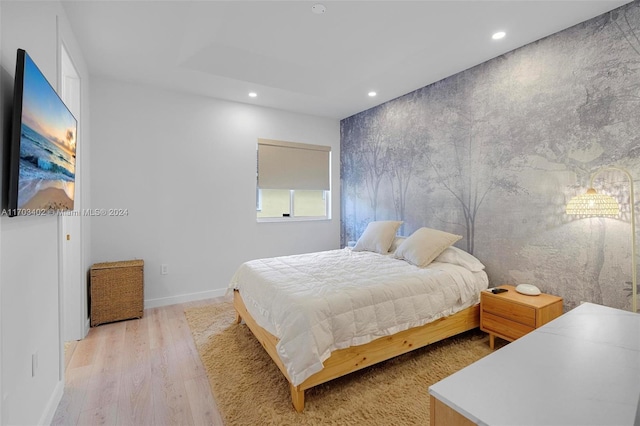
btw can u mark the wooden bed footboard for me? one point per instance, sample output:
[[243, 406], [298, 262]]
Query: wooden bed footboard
[[348, 360]]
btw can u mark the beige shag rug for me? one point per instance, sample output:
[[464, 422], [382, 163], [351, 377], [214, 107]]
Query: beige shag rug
[[250, 390]]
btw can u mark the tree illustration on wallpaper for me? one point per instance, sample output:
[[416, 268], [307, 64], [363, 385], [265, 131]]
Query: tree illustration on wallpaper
[[352, 175], [373, 155], [627, 25], [403, 156], [382, 150], [612, 85], [407, 145], [468, 162]]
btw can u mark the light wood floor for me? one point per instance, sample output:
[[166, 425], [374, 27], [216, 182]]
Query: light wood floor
[[138, 372]]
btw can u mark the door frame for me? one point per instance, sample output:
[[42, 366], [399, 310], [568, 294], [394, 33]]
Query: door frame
[[73, 300]]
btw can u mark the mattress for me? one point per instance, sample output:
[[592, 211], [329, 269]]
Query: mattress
[[317, 303]]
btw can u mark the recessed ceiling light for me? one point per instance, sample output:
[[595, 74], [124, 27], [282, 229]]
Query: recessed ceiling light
[[252, 94], [318, 9], [372, 94], [498, 35]]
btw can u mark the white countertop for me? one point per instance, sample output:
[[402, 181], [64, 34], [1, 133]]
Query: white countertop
[[580, 369]]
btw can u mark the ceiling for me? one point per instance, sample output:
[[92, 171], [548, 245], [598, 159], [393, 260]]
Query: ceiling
[[296, 60]]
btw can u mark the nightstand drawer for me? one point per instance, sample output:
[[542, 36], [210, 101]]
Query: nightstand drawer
[[511, 315], [503, 326], [507, 309]]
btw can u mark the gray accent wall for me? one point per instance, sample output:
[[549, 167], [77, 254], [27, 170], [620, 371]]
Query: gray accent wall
[[495, 152]]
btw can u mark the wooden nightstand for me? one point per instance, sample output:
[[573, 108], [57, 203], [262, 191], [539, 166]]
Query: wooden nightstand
[[511, 315]]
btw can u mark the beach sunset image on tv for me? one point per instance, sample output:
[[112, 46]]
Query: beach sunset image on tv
[[47, 146]]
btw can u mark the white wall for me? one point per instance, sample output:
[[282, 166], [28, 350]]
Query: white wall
[[2, 91], [29, 246], [185, 169]]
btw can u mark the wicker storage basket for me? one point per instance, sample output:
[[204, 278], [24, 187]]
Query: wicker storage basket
[[117, 291]]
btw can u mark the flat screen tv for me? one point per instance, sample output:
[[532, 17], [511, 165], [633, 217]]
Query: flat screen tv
[[42, 156]]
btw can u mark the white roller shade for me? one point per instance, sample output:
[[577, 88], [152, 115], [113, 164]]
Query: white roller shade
[[290, 165]]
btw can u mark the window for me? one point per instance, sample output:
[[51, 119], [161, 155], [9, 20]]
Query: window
[[293, 180]]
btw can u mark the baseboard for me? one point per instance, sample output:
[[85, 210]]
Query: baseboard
[[52, 405], [183, 298]]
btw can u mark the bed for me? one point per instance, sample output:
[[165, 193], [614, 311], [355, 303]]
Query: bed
[[323, 315]]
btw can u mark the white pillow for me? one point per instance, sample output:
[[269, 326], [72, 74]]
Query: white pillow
[[424, 245], [378, 236], [460, 257]]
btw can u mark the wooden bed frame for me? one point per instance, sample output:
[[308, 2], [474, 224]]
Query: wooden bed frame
[[345, 361]]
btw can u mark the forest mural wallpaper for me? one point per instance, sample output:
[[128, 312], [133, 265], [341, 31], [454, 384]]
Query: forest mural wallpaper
[[495, 152]]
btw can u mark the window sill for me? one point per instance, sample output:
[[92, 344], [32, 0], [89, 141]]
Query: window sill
[[291, 219]]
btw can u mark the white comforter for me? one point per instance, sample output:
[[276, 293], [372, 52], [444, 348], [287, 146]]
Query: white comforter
[[319, 302]]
